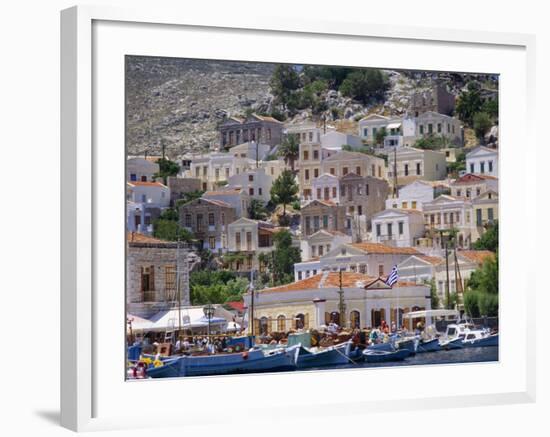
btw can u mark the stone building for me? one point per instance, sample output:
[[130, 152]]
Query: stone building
[[436, 99], [181, 186], [259, 128], [321, 214], [151, 279], [207, 219], [313, 302], [363, 195]]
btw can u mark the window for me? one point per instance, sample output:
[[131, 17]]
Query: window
[[359, 190], [360, 209], [212, 242], [418, 168], [315, 152], [400, 226], [197, 171], [281, 320], [133, 177], [217, 173], [365, 132], [227, 172], [299, 276], [389, 230], [321, 248], [379, 171], [238, 240], [373, 170], [204, 171], [211, 220], [378, 229], [430, 128], [472, 168], [325, 222], [479, 220], [438, 127], [327, 193], [199, 223], [343, 190], [259, 191], [421, 129], [374, 132], [306, 174], [345, 171], [147, 282], [490, 214], [482, 167], [188, 220], [413, 204], [249, 241], [250, 178], [380, 270], [468, 193], [306, 155], [478, 191], [404, 205], [316, 223], [490, 164], [313, 249], [332, 171], [334, 192], [308, 224], [251, 191], [406, 169], [366, 189], [169, 280], [458, 193], [222, 219], [448, 128], [143, 198], [358, 171], [315, 172]]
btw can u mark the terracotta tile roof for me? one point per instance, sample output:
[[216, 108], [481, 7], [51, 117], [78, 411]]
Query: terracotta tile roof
[[145, 184], [217, 202], [349, 280], [136, 237], [383, 249], [228, 192], [332, 280], [477, 256], [435, 260], [472, 178], [236, 305]]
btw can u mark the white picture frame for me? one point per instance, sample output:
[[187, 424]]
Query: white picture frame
[[83, 229]]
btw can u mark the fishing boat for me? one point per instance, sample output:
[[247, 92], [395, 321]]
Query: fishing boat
[[379, 356], [330, 356], [452, 343], [431, 345], [407, 343], [245, 362], [168, 369], [480, 338], [387, 347]]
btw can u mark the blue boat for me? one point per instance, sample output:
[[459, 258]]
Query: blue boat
[[331, 356], [251, 361], [387, 347], [428, 346], [453, 343], [409, 344], [169, 369], [474, 339], [379, 356]]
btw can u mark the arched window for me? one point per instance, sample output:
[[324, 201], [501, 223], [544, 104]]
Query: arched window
[[281, 323], [300, 321], [355, 319], [263, 326], [335, 317]]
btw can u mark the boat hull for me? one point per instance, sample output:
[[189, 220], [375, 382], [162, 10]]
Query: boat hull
[[491, 340], [334, 356], [384, 357], [428, 346], [387, 347], [452, 344], [169, 369]]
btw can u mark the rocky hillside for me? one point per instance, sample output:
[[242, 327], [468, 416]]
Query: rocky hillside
[[181, 101]]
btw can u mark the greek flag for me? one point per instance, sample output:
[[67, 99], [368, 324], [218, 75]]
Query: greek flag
[[393, 277]]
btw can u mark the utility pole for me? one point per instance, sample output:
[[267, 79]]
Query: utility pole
[[341, 304], [447, 291], [395, 172]]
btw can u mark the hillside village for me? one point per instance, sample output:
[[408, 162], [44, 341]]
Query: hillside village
[[307, 210]]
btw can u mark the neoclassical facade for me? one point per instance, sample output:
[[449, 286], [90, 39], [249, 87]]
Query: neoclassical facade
[[314, 302]]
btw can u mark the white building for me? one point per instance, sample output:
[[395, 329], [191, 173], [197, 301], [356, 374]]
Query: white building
[[413, 164], [305, 133], [397, 227], [412, 196], [215, 169], [473, 185], [448, 212], [254, 182], [335, 140], [250, 150], [140, 169], [373, 259], [482, 160], [154, 194], [439, 125], [321, 243], [326, 187], [237, 198]]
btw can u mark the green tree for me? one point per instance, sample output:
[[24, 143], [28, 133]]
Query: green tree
[[365, 85], [489, 239], [491, 108], [170, 230], [257, 210], [289, 150], [485, 278], [280, 262], [482, 123], [434, 297], [284, 81], [471, 306], [188, 197], [459, 165], [380, 135], [284, 190], [469, 103], [167, 168]]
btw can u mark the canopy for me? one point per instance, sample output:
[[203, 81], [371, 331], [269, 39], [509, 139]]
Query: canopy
[[137, 323], [191, 317], [233, 326], [432, 313], [394, 125]]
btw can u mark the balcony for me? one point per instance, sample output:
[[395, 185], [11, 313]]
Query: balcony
[[393, 141]]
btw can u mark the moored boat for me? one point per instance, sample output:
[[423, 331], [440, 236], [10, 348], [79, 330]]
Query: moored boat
[[453, 343], [428, 346], [330, 356], [480, 338], [380, 356]]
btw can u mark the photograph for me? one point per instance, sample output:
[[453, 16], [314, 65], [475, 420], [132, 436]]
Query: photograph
[[295, 217]]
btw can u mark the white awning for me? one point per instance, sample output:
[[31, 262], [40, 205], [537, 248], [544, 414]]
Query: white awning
[[393, 126], [432, 313]]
